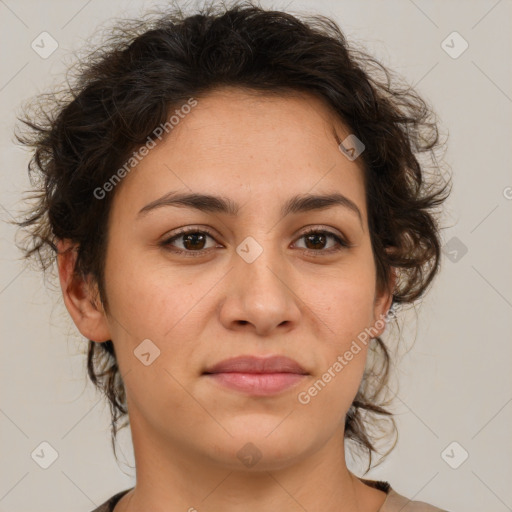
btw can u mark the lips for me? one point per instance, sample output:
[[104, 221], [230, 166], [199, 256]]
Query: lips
[[256, 376], [252, 364]]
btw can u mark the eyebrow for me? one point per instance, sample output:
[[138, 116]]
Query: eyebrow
[[219, 204]]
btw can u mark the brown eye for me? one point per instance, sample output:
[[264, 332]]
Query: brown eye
[[190, 241], [316, 241], [194, 241]]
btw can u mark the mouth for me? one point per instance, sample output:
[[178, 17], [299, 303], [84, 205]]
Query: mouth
[[257, 376]]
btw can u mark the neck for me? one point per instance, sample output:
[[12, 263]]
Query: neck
[[176, 479]]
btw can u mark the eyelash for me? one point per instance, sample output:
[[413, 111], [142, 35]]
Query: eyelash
[[167, 243]]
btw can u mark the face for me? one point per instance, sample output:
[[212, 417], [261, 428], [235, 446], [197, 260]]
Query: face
[[250, 283]]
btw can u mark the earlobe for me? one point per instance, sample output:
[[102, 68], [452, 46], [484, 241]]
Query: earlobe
[[80, 295]]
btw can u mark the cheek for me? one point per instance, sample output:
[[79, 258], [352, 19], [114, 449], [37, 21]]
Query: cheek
[[345, 304], [153, 324], [345, 308], [147, 298]]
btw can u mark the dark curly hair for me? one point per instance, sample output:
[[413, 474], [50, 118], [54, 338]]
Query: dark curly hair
[[125, 88]]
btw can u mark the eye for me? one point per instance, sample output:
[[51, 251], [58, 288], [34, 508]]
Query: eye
[[317, 239], [192, 239]]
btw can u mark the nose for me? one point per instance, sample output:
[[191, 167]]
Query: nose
[[260, 296]]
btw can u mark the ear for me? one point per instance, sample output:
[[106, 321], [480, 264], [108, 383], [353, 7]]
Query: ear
[[80, 295], [382, 303]]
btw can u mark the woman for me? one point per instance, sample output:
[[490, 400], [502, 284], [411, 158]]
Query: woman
[[236, 202]]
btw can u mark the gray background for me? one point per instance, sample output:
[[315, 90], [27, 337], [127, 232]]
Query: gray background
[[455, 383]]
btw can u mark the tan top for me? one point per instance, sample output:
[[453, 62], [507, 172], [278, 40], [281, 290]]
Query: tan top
[[394, 502]]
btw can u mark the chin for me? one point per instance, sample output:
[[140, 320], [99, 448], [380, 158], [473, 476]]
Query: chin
[[267, 445]]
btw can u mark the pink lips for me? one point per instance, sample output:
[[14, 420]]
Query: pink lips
[[257, 376]]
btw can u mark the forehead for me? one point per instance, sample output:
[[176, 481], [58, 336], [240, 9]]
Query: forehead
[[232, 116], [251, 146]]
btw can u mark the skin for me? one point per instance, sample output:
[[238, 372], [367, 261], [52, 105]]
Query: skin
[[258, 151]]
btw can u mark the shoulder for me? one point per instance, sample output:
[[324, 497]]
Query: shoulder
[[108, 506], [396, 502]]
